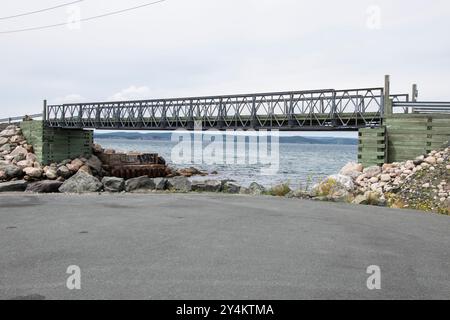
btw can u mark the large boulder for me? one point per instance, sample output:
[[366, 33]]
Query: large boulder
[[207, 186], [160, 183], [94, 164], [180, 184], [231, 187], [352, 169], [45, 186], [81, 182], [345, 181], [13, 186], [113, 184], [256, 189], [334, 188], [12, 171], [140, 184]]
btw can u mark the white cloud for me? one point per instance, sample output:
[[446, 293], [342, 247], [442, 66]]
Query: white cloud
[[131, 93]]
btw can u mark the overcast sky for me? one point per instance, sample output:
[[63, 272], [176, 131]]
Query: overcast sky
[[209, 47]]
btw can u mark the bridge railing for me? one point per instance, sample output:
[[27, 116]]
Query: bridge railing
[[294, 110], [422, 107], [20, 118]]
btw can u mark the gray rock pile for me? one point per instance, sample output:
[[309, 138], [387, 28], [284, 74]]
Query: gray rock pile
[[422, 183]]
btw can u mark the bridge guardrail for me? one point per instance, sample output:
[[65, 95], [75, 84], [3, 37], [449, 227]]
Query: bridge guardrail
[[20, 118], [423, 107]]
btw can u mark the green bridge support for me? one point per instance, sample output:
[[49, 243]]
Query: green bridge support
[[57, 144], [403, 137]]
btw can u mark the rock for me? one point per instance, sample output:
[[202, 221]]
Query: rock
[[45, 186], [76, 164], [96, 148], [256, 189], [352, 170], [81, 182], [430, 160], [19, 157], [24, 164], [334, 188], [189, 172], [361, 178], [64, 172], [72, 168], [3, 175], [19, 150], [371, 198], [12, 171], [31, 157], [5, 147], [95, 164], [51, 174], [113, 184], [372, 171], [244, 190], [360, 199], [409, 165], [86, 169], [231, 187], [34, 173], [298, 193], [280, 190], [340, 195], [181, 184], [344, 181], [16, 139], [426, 185], [206, 186], [385, 177], [3, 141], [160, 183], [373, 180], [7, 133], [140, 184], [13, 186]]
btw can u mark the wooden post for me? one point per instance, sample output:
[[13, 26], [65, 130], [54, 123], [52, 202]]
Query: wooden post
[[415, 93], [387, 95]]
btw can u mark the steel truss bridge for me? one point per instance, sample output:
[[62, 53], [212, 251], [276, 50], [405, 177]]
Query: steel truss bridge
[[296, 110], [329, 109]]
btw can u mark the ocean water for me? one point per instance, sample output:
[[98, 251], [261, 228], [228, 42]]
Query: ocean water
[[299, 164]]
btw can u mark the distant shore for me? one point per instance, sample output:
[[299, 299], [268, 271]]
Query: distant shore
[[165, 136]]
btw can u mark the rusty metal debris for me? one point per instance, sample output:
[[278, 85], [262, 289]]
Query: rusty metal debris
[[132, 164]]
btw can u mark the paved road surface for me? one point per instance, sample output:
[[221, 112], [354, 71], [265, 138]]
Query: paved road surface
[[195, 246]]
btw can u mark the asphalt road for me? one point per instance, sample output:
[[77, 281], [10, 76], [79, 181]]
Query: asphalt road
[[192, 246]]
